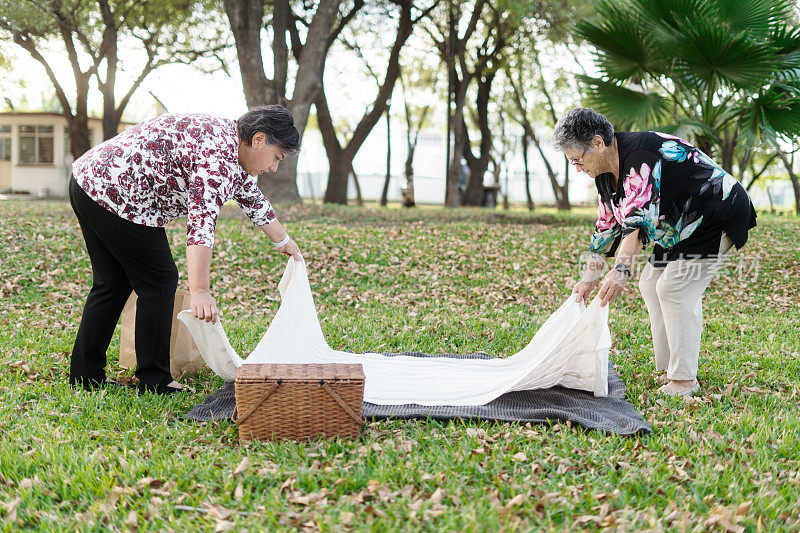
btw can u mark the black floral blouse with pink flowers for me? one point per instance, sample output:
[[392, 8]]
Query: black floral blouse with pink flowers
[[674, 195], [169, 167]]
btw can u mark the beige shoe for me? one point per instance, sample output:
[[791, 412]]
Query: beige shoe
[[662, 378], [672, 390]]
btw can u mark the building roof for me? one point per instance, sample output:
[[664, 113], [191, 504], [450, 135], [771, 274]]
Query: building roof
[[51, 114]]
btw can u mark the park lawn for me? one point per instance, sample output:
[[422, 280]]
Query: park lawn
[[389, 280]]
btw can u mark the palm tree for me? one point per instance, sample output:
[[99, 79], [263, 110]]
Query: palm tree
[[720, 71]]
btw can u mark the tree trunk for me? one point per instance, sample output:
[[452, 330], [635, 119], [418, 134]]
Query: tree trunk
[[79, 135], [338, 177], [245, 18], [359, 198], [525, 147], [456, 47], [788, 163], [280, 188], [385, 193], [727, 151], [408, 198], [479, 165], [452, 197], [560, 192], [563, 203], [453, 192], [79, 121], [373, 114]]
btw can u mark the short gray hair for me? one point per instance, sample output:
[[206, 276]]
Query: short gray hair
[[576, 129], [274, 121]]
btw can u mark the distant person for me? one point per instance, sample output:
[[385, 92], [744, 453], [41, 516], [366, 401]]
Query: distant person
[[124, 190], [657, 188]]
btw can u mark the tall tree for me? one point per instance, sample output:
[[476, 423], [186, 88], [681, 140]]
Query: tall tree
[[788, 162], [535, 106], [418, 81], [90, 32], [477, 55], [341, 154], [320, 26], [452, 39], [723, 72]]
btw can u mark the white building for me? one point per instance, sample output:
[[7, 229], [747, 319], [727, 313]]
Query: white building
[[35, 153]]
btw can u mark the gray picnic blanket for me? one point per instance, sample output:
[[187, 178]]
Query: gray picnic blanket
[[611, 414]]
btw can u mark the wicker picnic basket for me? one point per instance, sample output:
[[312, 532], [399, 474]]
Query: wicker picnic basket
[[298, 401]]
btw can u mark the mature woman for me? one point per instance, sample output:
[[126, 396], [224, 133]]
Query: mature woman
[[657, 188], [124, 190]]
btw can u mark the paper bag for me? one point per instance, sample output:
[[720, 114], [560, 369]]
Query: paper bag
[[184, 357]]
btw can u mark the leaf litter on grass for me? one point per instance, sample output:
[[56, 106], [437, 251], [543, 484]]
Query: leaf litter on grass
[[424, 280]]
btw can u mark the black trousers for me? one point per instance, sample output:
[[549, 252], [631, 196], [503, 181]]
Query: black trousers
[[125, 256]]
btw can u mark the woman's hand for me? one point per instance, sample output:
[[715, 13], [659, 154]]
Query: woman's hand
[[203, 305], [291, 249], [583, 289], [613, 284]]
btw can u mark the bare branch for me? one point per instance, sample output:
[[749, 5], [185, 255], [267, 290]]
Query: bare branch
[[27, 43], [357, 5]]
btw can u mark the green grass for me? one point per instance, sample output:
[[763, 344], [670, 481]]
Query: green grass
[[390, 279]]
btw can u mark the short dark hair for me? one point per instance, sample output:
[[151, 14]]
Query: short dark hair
[[274, 121], [578, 126]]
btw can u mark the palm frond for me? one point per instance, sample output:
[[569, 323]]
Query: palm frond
[[773, 114], [623, 106], [622, 48], [757, 17], [786, 40], [688, 129], [658, 14], [708, 51]]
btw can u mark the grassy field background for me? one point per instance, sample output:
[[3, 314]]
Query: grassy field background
[[388, 280]]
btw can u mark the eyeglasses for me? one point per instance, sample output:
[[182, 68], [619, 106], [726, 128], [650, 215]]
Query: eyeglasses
[[579, 161]]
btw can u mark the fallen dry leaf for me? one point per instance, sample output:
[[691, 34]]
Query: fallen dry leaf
[[438, 495], [223, 525], [721, 516], [743, 508], [369, 509], [149, 482], [519, 499], [242, 466], [132, 521], [11, 509], [219, 512]]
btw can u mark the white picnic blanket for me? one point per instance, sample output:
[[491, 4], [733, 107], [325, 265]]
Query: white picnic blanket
[[570, 349]]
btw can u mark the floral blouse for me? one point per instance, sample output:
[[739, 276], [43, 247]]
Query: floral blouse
[[170, 167], [675, 195]]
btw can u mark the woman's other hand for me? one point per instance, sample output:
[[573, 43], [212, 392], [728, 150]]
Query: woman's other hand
[[291, 249], [203, 305], [613, 284], [583, 289]]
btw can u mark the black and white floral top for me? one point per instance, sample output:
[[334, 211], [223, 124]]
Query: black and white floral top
[[170, 167], [675, 195]]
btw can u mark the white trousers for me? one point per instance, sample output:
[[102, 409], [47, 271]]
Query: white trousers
[[674, 298]]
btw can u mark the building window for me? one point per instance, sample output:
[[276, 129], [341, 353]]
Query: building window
[[67, 143], [5, 143], [36, 145]]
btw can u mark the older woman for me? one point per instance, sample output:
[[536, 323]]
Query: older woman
[[124, 190], [657, 188]]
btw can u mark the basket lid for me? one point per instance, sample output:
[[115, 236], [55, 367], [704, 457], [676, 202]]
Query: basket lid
[[253, 373]]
